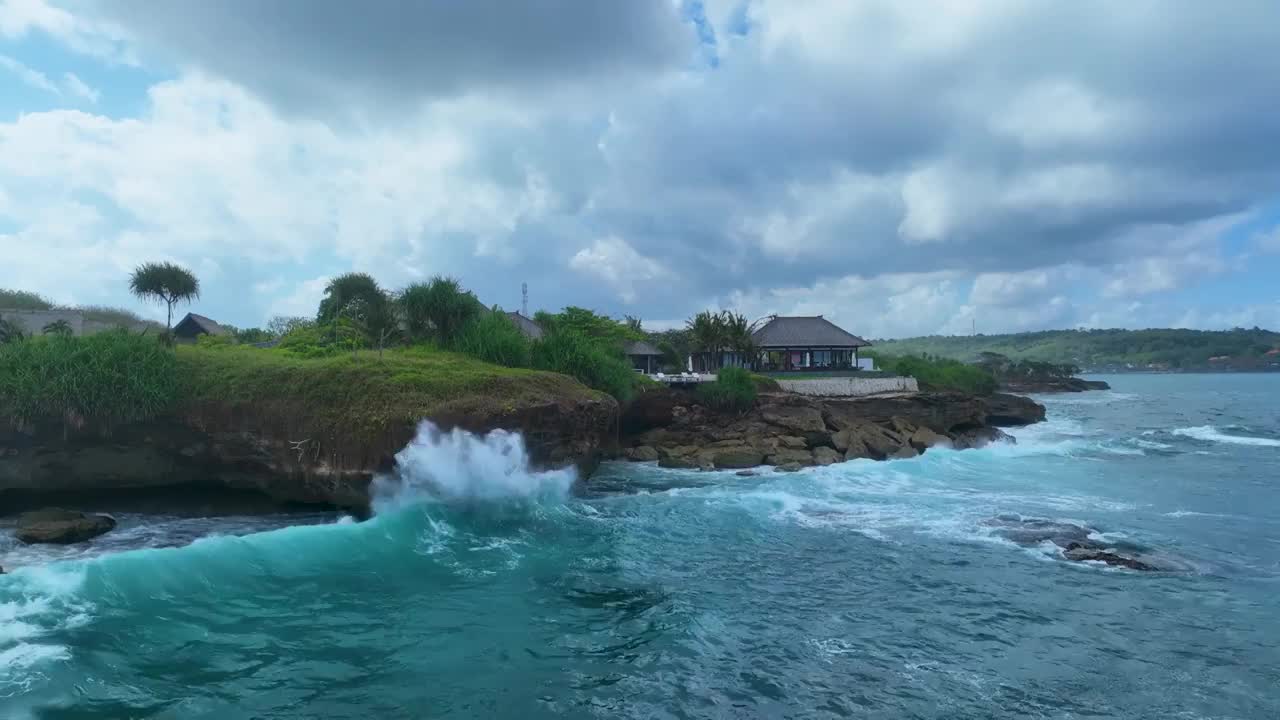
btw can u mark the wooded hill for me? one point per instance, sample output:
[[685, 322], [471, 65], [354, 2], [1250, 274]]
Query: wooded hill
[[1158, 349]]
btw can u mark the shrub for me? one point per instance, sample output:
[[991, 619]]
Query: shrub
[[941, 374], [309, 341], [109, 377], [734, 390], [493, 338], [595, 363]]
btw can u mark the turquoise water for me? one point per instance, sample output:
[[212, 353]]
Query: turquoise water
[[859, 590]]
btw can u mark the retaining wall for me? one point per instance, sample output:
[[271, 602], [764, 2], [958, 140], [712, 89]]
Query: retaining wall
[[849, 386]]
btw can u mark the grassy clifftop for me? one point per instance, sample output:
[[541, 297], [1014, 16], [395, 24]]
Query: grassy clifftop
[[362, 394], [116, 377]]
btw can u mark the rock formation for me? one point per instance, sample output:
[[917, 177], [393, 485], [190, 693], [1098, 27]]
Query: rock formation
[[792, 431], [235, 450], [61, 527]]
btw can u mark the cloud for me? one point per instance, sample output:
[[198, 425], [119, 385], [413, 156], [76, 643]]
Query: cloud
[[28, 76], [911, 168], [321, 54], [618, 264], [75, 87]]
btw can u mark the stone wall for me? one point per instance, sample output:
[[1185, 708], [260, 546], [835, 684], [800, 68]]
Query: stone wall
[[848, 386], [33, 322]]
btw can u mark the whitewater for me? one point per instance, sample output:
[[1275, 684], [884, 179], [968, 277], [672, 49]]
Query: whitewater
[[480, 588]]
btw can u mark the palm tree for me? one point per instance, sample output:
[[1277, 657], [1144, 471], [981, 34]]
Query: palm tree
[[707, 333], [166, 282], [61, 328], [739, 336]]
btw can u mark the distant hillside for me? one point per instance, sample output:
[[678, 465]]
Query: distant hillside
[[1158, 349]]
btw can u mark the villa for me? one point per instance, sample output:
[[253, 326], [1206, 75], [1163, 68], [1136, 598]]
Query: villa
[[806, 343]]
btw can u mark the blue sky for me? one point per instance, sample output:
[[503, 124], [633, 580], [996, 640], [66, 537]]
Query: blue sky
[[904, 168]]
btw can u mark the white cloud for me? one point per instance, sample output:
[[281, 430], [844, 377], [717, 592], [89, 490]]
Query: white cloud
[[77, 88], [28, 76], [302, 302], [614, 261]]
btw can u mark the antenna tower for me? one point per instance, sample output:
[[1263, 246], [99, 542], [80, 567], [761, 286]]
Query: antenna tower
[[524, 299]]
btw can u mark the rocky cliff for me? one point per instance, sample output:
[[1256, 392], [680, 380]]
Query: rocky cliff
[[231, 447], [792, 431]]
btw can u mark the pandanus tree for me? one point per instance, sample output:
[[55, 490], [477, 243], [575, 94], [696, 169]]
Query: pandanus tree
[[357, 300], [167, 283], [438, 309]]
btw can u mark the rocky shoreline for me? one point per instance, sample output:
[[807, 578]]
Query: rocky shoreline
[[1053, 385], [791, 431]]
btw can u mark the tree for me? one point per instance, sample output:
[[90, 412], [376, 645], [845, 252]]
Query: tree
[[61, 328], [357, 298], [166, 282], [633, 323], [708, 336], [438, 309], [282, 325], [739, 335]]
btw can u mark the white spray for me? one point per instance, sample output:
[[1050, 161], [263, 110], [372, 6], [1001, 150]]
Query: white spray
[[461, 467]]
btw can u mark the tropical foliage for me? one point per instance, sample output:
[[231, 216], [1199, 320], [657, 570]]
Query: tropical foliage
[[10, 332], [356, 311], [595, 363], [493, 338], [438, 310], [934, 373], [712, 334], [734, 390], [164, 282], [113, 376]]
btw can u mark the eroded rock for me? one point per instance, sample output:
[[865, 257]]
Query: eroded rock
[[737, 457], [826, 456], [643, 453], [60, 527]]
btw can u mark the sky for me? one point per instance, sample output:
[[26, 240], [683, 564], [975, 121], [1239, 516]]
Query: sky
[[902, 168]]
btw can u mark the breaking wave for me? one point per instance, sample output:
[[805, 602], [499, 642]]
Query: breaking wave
[[1209, 433]]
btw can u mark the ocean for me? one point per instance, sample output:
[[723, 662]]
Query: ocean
[[865, 589]]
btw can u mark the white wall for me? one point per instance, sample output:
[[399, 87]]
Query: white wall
[[33, 321], [848, 386]]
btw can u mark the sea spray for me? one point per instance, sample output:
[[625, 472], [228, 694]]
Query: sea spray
[[458, 467]]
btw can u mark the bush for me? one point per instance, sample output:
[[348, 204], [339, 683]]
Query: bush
[[734, 390], [594, 363], [493, 338], [941, 374], [109, 377], [309, 341]]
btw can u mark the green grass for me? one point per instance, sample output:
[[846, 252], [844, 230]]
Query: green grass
[[102, 379], [734, 390], [355, 404]]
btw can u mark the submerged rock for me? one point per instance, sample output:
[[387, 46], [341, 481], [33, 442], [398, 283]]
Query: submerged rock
[[644, 453], [61, 527], [737, 457], [1075, 540], [789, 467], [1079, 552]]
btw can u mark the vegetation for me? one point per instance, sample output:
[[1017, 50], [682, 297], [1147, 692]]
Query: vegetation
[[58, 327], [438, 310], [734, 390], [935, 373], [355, 312], [23, 300], [352, 401], [10, 332], [711, 334], [167, 283], [109, 377], [597, 364], [1103, 349], [493, 338]]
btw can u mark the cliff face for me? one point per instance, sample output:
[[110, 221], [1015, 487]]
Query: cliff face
[[231, 447], [792, 431]]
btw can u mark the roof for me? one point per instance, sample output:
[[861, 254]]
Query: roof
[[202, 324], [815, 331], [531, 329], [640, 347]]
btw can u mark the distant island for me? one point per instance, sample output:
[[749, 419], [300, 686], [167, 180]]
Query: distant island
[[1105, 351]]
